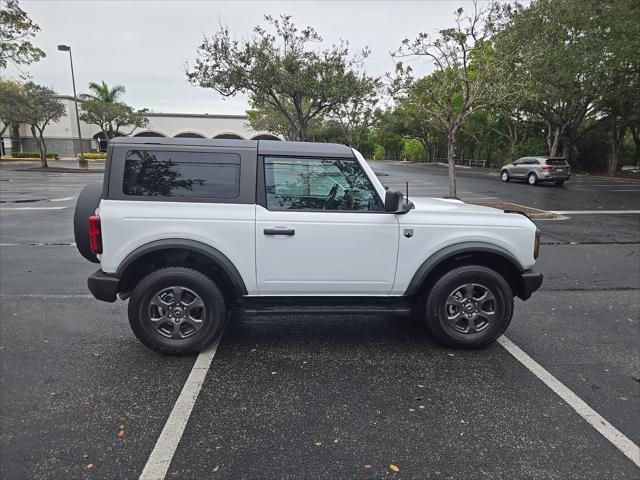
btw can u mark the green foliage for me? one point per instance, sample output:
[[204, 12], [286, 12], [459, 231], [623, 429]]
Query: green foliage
[[16, 32], [280, 72], [463, 79], [10, 97], [34, 105], [104, 93], [378, 152], [103, 108], [576, 65], [51, 155], [94, 155], [391, 142], [413, 150]]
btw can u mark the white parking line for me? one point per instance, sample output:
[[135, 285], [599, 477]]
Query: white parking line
[[4, 209], [43, 295], [160, 458], [61, 199], [594, 212], [617, 438]]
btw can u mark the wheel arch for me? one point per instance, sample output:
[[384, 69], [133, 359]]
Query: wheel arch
[[182, 252], [467, 253]]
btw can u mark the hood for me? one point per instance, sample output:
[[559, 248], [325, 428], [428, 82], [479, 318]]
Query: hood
[[425, 204]]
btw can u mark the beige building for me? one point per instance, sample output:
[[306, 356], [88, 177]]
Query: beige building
[[62, 136]]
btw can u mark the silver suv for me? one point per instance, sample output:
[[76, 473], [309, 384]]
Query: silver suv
[[537, 169]]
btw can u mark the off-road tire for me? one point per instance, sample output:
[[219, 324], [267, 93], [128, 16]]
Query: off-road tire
[[443, 329], [214, 314]]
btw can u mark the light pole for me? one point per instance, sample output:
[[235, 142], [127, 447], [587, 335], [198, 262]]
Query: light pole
[[82, 161]]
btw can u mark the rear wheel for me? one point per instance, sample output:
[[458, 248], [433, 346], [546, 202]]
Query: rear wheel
[[532, 179], [469, 307], [559, 182], [177, 311], [504, 176]]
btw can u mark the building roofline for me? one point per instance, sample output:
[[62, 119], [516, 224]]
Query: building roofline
[[183, 115]]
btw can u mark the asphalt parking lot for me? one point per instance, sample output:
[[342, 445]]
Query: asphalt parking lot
[[299, 397]]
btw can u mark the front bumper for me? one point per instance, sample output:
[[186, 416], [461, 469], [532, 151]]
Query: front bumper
[[104, 286], [530, 281]]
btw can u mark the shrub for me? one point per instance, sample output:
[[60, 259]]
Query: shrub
[[94, 155], [33, 155], [413, 150]]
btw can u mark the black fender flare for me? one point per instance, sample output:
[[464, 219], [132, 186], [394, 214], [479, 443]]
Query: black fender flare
[[452, 251], [208, 251]]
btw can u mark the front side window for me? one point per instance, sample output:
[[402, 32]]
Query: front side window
[[181, 174], [318, 184]]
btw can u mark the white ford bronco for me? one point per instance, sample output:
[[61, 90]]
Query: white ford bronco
[[191, 229]]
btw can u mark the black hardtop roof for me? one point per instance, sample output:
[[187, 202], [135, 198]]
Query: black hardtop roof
[[264, 147]]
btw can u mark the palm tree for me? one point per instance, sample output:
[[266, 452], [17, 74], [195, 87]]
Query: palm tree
[[103, 93]]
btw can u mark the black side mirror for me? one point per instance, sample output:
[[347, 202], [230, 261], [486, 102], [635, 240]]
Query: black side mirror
[[394, 203]]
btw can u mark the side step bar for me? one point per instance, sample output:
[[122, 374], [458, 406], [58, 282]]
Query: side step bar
[[324, 306]]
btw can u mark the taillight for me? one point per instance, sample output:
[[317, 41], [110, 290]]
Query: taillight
[[95, 234], [547, 167]]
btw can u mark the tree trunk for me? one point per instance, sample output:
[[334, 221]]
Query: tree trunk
[[617, 138], [553, 145], [16, 143], [42, 148], [451, 161], [635, 133]]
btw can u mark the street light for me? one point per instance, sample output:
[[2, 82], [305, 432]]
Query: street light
[[83, 162]]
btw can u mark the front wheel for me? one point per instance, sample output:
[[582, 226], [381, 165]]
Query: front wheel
[[177, 311], [469, 307], [504, 176]]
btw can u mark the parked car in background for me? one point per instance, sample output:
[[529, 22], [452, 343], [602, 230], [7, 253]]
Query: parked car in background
[[537, 169]]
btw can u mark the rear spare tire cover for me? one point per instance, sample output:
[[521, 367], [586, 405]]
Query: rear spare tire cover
[[88, 201]]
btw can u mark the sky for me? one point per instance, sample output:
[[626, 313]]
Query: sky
[[144, 45]]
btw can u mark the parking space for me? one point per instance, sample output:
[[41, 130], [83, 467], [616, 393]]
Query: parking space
[[330, 397]]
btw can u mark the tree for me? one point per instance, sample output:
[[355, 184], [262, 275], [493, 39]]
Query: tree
[[10, 94], [358, 115], [103, 108], [36, 106], [16, 32], [618, 79], [280, 71], [413, 120], [269, 119], [102, 92], [553, 48], [463, 79]]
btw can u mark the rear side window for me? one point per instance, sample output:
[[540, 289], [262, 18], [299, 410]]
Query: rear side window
[[181, 174], [556, 161]]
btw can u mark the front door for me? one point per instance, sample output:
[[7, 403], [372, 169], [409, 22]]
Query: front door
[[322, 230]]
